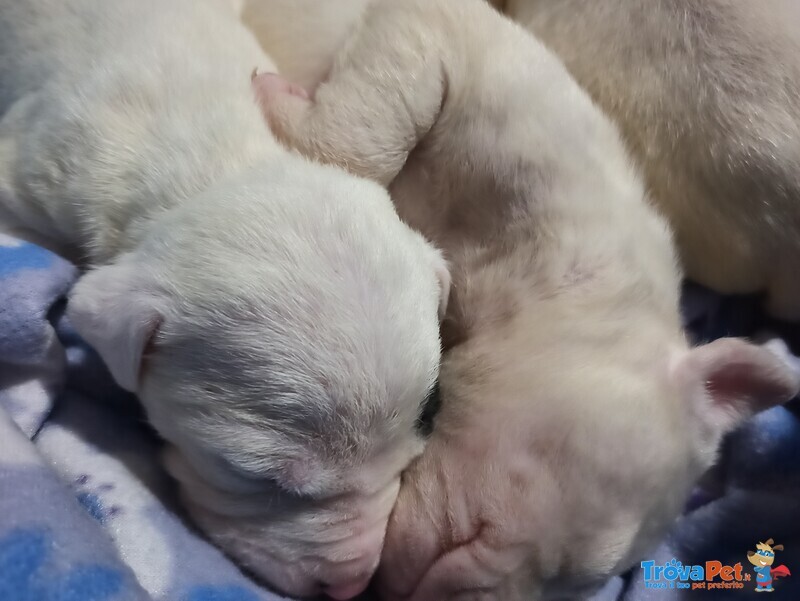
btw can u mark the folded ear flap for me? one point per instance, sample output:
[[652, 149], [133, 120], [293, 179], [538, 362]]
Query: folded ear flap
[[729, 380], [113, 310]]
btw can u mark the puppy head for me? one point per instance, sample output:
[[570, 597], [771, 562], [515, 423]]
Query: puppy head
[[282, 334], [697, 396], [582, 447]]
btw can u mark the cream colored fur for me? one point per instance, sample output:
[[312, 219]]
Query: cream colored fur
[[574, 417], [707, 94], [302, 35], [276, 318]]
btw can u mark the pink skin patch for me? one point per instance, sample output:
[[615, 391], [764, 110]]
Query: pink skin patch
[[347, 592], [268, 85]]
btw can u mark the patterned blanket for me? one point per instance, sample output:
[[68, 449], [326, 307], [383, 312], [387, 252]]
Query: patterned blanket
[[86, 513]]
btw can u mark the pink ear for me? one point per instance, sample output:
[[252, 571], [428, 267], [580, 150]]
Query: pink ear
[[111, 308], [730, 380]]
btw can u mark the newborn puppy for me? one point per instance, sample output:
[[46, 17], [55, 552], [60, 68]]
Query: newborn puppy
[[707, 94], [574, 416], [276, 318]]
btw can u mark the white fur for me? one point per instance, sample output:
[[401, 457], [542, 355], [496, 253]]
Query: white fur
[[707, 95], [275, 316], [302, 36], [574, 415]]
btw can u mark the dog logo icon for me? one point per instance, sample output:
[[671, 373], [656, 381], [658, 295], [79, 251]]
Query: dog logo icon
[[762, 559]]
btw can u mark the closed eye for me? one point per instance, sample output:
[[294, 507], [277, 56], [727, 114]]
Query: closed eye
[[245, 482], [430, 407]]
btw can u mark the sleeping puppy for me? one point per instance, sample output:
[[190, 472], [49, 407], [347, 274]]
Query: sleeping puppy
[[276, 318], [575, 416], [707, 94]]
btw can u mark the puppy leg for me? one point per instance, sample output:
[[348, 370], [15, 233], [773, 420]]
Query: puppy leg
[[383, 95]]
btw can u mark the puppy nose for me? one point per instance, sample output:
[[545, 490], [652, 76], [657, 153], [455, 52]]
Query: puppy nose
[[345, 592]]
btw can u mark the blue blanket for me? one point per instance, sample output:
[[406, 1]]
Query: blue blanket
[[86, 514]]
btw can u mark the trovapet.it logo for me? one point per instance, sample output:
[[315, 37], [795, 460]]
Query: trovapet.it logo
[[715, 575], [708, 576]]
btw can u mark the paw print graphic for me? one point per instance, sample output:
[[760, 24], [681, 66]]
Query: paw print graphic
[[91, 498]]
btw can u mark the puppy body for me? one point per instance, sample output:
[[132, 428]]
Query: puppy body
[[246, 294], [93, 139], [574, 416], [707, 95]]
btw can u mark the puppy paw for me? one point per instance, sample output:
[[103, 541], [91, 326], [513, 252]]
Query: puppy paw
[[269, 85], [281, 102], [274, 92]]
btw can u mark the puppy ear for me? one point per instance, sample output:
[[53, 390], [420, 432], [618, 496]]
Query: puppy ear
[[112, 310], [729, 380], [776, 547], [442, 272]]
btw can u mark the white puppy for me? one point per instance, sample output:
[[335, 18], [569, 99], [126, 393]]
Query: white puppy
[[275, 316], [574, 416], [707, 95]]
